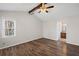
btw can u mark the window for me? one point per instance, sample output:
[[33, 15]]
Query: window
[[9, 28]]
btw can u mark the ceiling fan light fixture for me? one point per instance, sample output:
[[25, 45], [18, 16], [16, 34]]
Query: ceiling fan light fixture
[[43, 8]]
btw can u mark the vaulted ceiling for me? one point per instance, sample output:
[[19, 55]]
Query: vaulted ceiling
[[59, 11]]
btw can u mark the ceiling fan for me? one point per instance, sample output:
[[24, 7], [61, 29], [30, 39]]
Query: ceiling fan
[[42, 7]]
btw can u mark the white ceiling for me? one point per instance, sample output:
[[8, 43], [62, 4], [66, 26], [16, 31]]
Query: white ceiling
[[60, 10], [16, 6]]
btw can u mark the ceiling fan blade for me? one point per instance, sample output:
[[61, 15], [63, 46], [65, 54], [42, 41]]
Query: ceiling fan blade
[[39, 12], [44, 3], [46, 11], [50, 7], [37, 7]]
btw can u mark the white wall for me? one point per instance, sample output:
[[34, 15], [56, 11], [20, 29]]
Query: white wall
[[50, 29], [72, 29], [27, 28]]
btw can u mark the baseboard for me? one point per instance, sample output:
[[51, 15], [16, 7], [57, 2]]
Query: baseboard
[[17, 44], [65, 42]]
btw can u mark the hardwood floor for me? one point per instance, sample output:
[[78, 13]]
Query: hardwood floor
[[41, 47]]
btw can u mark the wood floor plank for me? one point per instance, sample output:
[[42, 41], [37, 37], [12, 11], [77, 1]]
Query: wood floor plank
[[41, 47]]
